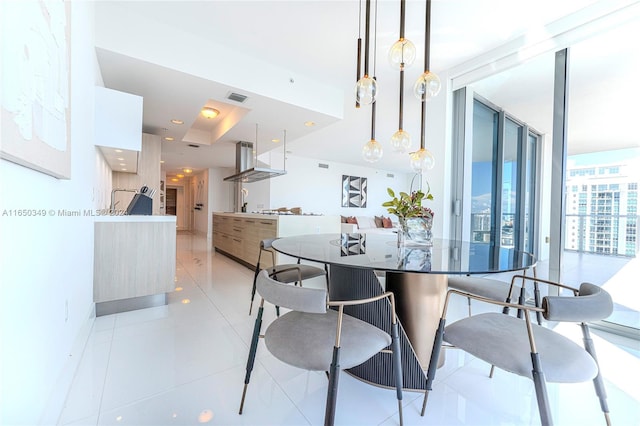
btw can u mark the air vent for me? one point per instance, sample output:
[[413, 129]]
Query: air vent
[[323, 166], [192, 145], [390, 175], [237, 97]]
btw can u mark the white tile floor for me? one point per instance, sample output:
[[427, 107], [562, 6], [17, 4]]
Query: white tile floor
[[184, 363]]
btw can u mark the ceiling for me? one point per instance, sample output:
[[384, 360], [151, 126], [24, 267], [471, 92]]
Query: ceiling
[[296, 62]]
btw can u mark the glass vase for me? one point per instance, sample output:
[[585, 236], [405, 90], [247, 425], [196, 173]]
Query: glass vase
[[415, 231]]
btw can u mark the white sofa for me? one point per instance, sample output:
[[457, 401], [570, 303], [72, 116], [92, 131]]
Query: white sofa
[[366, 225]]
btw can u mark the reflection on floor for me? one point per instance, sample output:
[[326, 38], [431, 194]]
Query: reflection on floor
[[184, 364]]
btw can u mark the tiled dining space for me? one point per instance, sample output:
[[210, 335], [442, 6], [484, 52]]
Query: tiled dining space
[[184, 364]]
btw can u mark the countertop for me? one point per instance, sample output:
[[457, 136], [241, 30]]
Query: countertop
[[136, 218]]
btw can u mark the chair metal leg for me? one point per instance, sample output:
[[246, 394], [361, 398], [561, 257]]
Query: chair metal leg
[[332, 391], [536, 300], [493, 369], [433, 362], [397, 366], [541, 391], [252, 354], [253, 289], [598, 383]]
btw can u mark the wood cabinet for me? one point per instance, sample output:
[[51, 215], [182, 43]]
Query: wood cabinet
[[134, 261], [238, 235]]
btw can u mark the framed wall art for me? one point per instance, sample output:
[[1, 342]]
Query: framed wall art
[[354, 191], [36, 86]]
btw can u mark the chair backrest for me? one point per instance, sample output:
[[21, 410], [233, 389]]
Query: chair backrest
[[266, 244], [303, 299], [592, 304]]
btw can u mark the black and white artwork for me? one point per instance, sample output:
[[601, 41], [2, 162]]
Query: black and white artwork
[[354, 191], [353, 244]]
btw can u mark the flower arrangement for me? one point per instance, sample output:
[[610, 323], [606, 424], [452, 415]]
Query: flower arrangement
[[409, 205]]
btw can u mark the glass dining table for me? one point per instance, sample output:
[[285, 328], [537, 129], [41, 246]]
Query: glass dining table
[[416, 274]]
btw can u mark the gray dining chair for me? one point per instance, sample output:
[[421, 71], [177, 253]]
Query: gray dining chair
[[530, 350], [496, 290], [317, 335], [283, 272]]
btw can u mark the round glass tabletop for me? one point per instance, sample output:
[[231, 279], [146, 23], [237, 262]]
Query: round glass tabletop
[[381, 252]]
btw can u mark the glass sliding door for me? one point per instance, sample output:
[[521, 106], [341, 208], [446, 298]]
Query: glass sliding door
[[510, 223], [602, 172], [483, 173], [502, 180]]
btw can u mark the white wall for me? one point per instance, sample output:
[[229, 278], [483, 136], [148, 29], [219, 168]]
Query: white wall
[[319, 190], [46, 297]]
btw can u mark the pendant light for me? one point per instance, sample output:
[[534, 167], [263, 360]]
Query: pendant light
[[366, 87], [372, 150], [401, 55], [426, 87]]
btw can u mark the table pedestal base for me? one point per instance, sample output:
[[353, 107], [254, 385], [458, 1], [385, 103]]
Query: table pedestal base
[[419, 299]]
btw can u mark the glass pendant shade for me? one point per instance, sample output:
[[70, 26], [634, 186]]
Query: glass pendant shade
[[366, 90], [422, 160], [372, 151], [427, 86], [402, 54], [401, 141]]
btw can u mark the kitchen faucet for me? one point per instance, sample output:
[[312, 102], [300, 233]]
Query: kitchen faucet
[[113, 194]]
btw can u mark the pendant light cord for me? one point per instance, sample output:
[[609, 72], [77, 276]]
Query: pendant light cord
[[427, 41], [375, 56], [359, 47]]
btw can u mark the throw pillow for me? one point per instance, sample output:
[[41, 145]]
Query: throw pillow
[[386, 222], [343, 219], [378, 220], [352, 219]]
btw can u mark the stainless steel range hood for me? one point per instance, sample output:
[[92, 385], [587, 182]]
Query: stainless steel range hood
[[246, 169]]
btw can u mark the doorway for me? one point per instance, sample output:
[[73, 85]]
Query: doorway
[[171, 201]]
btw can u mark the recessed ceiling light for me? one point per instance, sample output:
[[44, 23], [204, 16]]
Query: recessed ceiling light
[[123, 169], [122, 164], [118, 150], [161, 161], [174, 179], [169, 139], [180, 176], [309, 123], [187, 171], [209, 113], [176, 121], [120, 159], [275, 140]]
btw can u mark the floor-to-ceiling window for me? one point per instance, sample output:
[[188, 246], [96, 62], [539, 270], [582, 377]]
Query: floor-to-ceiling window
[[602, 168], [600, 158], [502, 181]]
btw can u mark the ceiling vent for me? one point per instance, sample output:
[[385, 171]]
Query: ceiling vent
[[237, 97], [192, 145], [323, 166]]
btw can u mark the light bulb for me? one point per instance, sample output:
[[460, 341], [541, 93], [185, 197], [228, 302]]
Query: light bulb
[[427, 86], [402, 54], [401, 141], [366, 90], [372, 151], [422, 160]]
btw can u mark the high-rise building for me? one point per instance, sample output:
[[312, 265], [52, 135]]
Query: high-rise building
[[602, 209]]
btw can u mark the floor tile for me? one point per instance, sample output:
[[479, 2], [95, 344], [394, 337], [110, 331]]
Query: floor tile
[[184, 363]]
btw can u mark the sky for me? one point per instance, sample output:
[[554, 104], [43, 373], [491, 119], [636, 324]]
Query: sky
[[604, 157]]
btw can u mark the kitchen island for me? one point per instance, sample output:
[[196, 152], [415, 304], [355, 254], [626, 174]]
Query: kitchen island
[[238, 235], [134, 262]]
